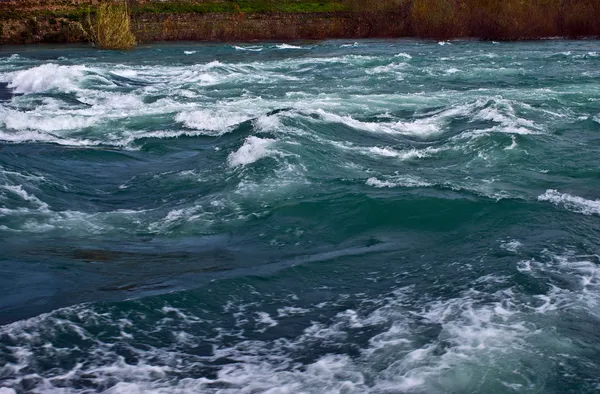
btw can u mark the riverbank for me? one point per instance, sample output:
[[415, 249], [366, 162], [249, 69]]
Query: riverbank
[[58, 21]]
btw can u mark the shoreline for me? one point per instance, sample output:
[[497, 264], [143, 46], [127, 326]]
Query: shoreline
[[300, 41]]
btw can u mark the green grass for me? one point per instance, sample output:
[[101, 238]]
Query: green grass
[[75, 14], [184, 7], [313, 7], [247, 6]]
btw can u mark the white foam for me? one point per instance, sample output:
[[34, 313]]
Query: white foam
[[19, 191], [248, 48], [47, 77], [15, 57], [189, 52], [511, 246], [422, 128], [420, 153], [418, 342], [291, 311], [385, 152], [433, 125], [572, 203], [403, 155], [513, 144], [184, 85], [216, 121], [173, 217], [392, 68], [512, 130], [574, 283], [397, 181], [254, 149], [265, 320], [17, 120], [123, 101], [288, 46], [266, 123], [472, 333], [349, 121], [404, 55], [503, 112], [125, 72], [495, 114]]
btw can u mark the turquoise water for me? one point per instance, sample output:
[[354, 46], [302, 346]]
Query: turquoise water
[[333, 217]]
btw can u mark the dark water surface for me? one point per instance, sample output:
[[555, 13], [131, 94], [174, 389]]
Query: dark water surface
[[335, 217]]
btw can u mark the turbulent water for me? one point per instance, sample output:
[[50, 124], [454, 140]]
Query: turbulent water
[[335, 217]]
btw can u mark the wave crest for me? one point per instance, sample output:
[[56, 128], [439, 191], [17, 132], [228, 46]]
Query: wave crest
[[218, 122], [253, 149], [572, 203], [47, 77]]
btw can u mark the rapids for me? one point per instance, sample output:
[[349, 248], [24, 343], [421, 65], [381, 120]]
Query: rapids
[[323, 217]]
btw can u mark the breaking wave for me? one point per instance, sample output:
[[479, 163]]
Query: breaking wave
[[497, 339], [47, 77], [572, 203], [253, 149]]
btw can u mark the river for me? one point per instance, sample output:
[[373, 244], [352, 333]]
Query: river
[[313, 217]]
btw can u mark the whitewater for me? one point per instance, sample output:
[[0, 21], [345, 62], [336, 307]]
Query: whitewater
[[378, 216]]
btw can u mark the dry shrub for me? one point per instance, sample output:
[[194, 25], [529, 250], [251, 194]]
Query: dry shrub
[[531, 19], [581, 17], [504, 19], [111, 26], [395, 6], [512, 19], [436, 18], [483, 18]]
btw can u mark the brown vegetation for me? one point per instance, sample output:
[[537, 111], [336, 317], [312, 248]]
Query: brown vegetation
[[24, 21], [110, 28], [505, 19]]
